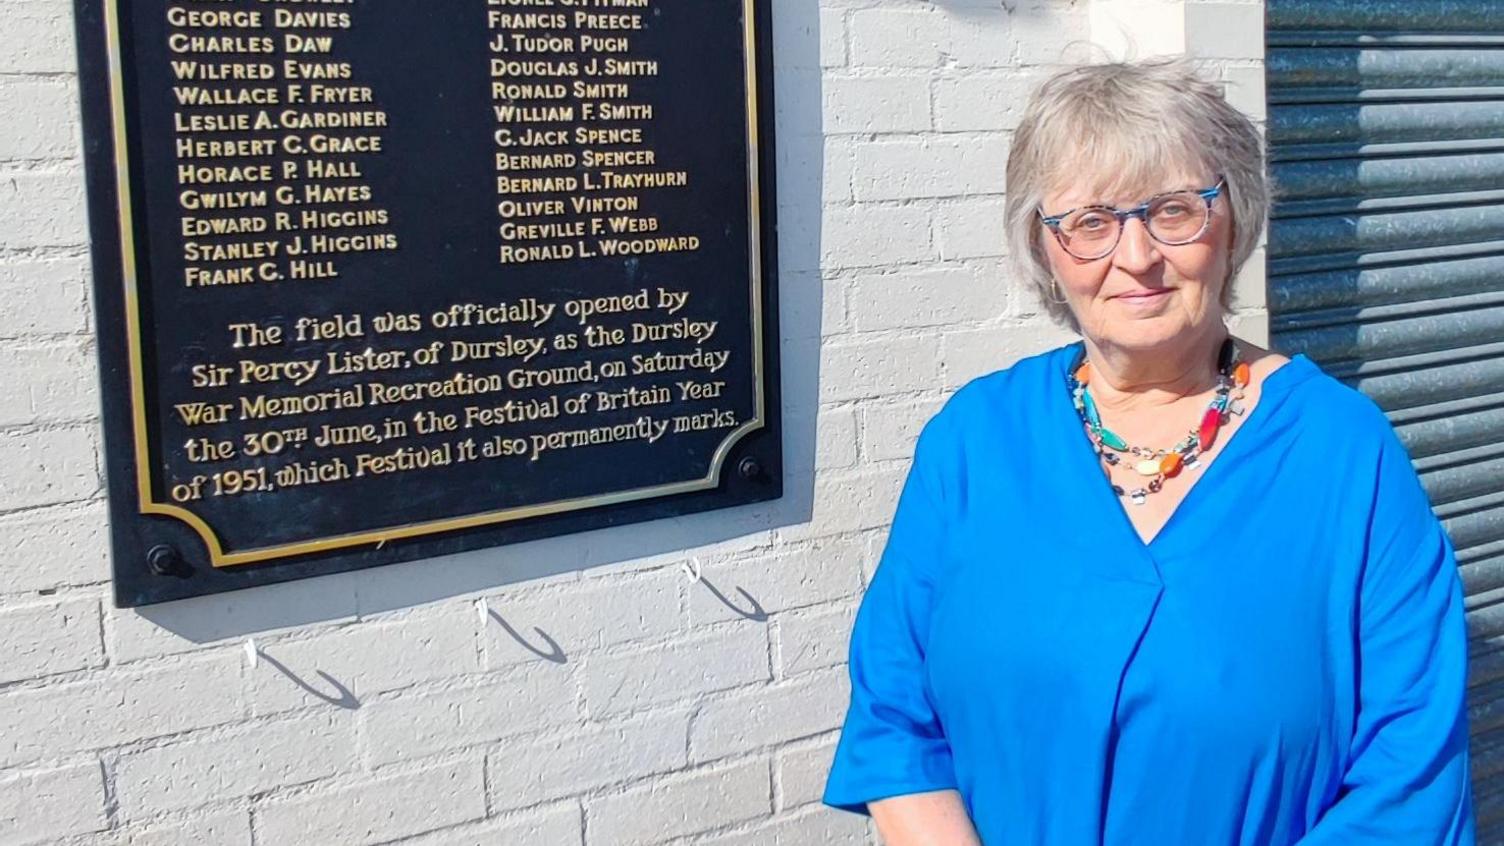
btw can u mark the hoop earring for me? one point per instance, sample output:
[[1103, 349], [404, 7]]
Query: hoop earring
[[1055, 289]]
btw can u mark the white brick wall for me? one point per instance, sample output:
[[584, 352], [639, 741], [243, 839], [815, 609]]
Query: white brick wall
[[68, 800], [601, 698]]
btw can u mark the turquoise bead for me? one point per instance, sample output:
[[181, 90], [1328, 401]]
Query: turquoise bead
[[1110, 438], [1092, 416]]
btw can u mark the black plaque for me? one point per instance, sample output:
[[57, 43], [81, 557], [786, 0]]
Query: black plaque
[[382, 279]]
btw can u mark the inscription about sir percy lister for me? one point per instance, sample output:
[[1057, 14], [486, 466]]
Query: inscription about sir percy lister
[[380, 280]]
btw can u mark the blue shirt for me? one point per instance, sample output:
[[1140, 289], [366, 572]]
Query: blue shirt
[[1284, 662]]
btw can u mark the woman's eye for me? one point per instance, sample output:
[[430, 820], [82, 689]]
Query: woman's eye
[[1092, 223], [1172, 209]]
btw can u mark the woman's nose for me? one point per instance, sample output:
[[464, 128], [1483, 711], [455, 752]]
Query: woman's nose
[[1136, 251]]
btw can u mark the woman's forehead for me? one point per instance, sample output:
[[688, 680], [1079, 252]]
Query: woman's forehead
[[1120, 183]]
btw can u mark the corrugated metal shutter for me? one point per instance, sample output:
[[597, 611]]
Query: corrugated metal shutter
[[1386, 265]]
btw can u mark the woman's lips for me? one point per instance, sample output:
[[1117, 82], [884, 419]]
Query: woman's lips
[[1142, 296]]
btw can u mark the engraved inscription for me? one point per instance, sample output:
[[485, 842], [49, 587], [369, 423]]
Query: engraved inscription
[[396, 266]]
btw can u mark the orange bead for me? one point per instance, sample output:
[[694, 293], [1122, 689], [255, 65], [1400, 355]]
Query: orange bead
[[1170, 465], [1240, 374], [1083, 373]]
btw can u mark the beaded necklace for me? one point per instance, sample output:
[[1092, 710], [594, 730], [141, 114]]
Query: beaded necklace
[[1160, 464]]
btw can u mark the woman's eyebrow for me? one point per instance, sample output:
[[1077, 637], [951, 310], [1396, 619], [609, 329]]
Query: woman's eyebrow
[[1174, 188]]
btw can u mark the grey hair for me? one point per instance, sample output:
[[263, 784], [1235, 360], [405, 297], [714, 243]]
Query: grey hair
[[1130, 125]]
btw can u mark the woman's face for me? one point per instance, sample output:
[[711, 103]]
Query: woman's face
[[1144, 294]]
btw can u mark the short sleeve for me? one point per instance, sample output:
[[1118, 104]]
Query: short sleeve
[[1406, 781], [892, 742]]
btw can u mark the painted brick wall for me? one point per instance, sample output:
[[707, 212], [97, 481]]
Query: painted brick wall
[[596, 696]]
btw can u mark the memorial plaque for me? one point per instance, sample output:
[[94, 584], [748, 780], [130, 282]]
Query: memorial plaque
[[382, 279]]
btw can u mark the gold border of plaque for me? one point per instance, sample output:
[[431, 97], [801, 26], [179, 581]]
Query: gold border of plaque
[[378, 537]]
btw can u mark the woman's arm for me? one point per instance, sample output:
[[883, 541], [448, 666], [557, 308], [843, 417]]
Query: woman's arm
[[1407, 779], [894, 754], [936, 818]]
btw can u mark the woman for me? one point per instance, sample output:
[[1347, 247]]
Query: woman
[[1249, 632]]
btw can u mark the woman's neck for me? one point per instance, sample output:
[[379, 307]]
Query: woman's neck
[[1124, 380]]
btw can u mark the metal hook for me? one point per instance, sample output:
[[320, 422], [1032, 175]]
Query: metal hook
[[252, 654], [693, 570], [483, 608]]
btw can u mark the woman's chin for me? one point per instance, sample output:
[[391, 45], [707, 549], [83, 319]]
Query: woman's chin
[[1147, 334]]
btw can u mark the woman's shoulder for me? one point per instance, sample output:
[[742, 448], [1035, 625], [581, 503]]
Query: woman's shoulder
[[1021, 383], [995, 407], [1308, 403], [1316, 417], [1322, 402]]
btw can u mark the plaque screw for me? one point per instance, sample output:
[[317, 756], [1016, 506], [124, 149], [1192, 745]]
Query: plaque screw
[[750, 468], [164, 561]]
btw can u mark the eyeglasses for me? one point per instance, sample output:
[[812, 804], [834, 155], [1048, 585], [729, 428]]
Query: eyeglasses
[[1173, 218]]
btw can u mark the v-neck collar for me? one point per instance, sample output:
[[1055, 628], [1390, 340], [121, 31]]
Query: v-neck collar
[[1272, 393]]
